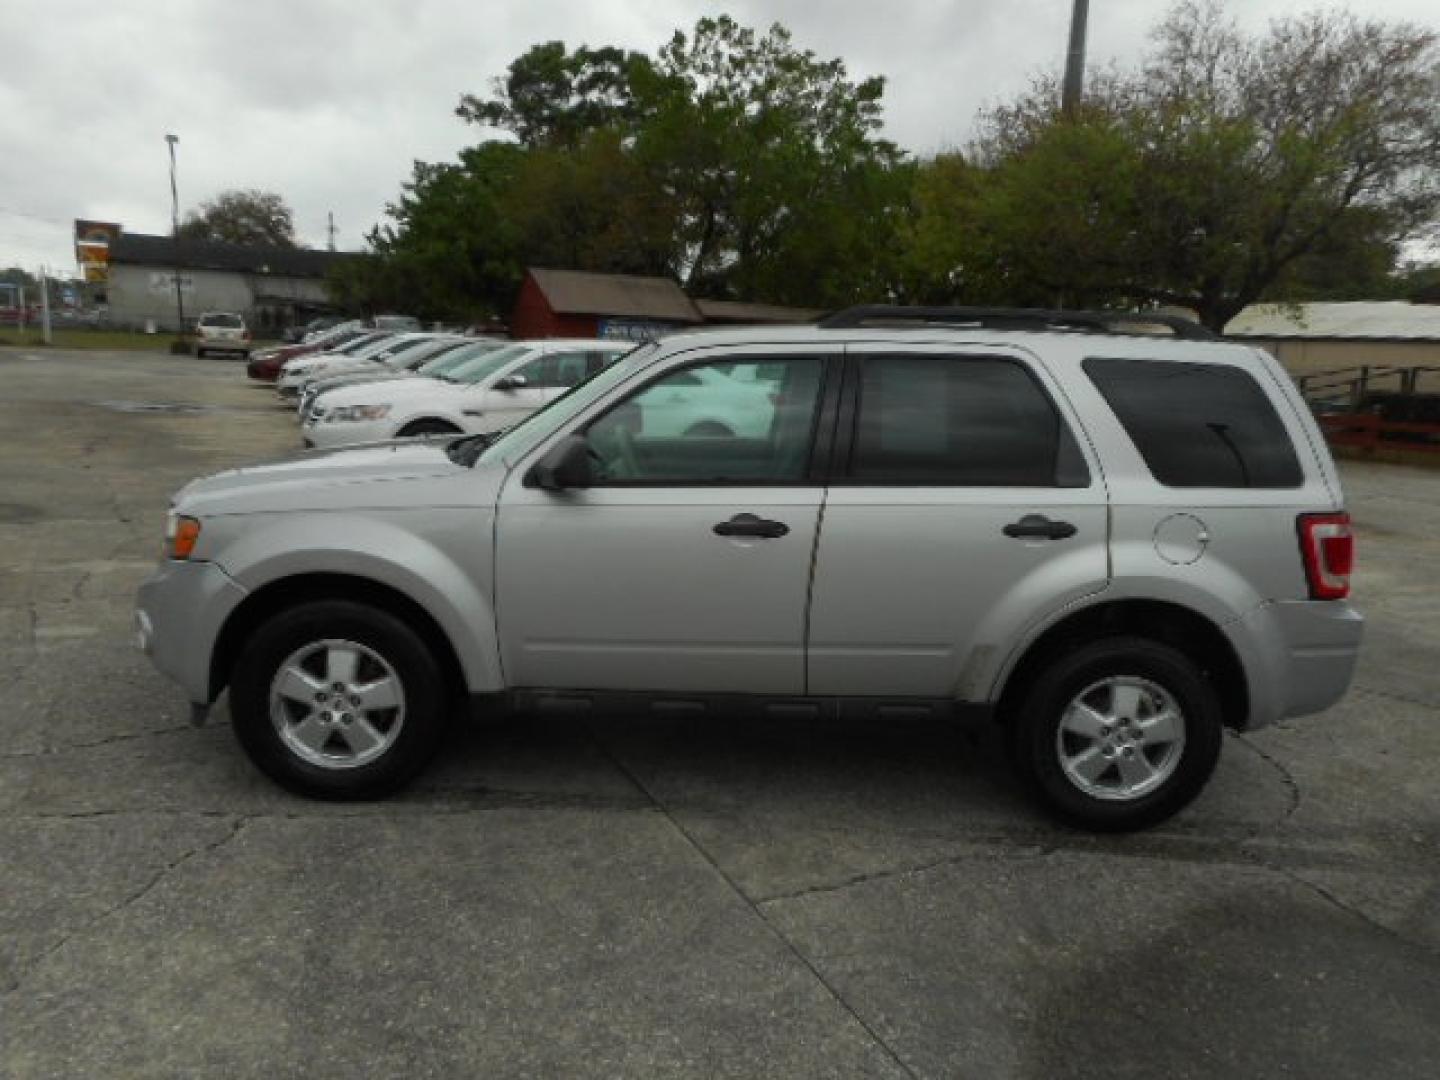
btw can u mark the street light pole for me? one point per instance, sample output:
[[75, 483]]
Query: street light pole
[[171, 140], [1074, 84]]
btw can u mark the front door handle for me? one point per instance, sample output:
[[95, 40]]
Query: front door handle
[[1038, 525], [750, 525]]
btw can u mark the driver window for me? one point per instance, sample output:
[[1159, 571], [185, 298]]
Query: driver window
[[737, 422]]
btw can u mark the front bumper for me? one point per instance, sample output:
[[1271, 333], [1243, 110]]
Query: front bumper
[[325, 434], [179, 612]]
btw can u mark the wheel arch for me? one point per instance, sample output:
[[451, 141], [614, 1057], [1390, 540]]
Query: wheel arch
[[427, 419], [286, 592], [1180, 627]]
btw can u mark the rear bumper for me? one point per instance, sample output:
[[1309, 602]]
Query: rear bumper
[[1300, 655], [223, 345], [179, 612]]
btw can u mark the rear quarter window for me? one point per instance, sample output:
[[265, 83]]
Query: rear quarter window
[[1198, 424]]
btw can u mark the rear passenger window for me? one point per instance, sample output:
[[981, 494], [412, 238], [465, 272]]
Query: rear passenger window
[[961, 421], [1198, 425]]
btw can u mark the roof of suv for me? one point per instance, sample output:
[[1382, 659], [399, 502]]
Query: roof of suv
[[884, 322]]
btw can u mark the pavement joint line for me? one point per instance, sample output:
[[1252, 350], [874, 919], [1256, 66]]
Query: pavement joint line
[[754, 907], [237, 824]]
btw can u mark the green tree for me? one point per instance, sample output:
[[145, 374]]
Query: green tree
[[733, 160], [553, 98], [242, 217], [1226, 170]]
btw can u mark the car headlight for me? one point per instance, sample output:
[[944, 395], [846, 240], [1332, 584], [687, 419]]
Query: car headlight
[[181, 535], [357, 412]]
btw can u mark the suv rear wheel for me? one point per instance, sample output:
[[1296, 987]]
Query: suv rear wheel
[[1118, 734], [337, 700]]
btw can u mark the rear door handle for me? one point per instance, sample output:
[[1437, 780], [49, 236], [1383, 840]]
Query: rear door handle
[[1038, 525], [750, 525]]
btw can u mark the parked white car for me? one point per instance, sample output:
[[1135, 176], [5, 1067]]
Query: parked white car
[[392, 355], [443, 356], [222, 332], [492, 392], [295, 373]]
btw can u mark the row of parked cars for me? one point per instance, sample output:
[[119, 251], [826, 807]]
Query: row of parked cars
[[361, 385]]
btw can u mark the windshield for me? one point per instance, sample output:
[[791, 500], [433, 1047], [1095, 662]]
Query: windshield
[[486, 363], [226, 322], [350, 348], [418, 359], [461, 352], [514, 440], [368, 350], [389, 352]]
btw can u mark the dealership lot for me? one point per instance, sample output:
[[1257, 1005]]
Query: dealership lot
[[575, 896]]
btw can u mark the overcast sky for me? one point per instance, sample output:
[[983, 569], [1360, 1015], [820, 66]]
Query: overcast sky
[[328, 102]]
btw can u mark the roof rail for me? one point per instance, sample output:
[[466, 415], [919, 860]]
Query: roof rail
[[1104, 322]]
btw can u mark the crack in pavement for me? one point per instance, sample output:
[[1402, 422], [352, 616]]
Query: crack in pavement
[[491, 800], [237, 824], [65, 748], [897, 872], [1351, 910], [1292, 786], [1359, 688]]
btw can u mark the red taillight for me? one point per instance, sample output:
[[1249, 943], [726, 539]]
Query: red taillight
[[1328, 547]]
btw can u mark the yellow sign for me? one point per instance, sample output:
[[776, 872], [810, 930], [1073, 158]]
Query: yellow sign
[[92, 248]]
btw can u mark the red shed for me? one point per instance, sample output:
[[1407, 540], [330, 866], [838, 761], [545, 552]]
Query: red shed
[[571, 303]]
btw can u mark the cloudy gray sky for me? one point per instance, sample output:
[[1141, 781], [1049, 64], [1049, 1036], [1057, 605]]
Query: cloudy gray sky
[[329, 101]]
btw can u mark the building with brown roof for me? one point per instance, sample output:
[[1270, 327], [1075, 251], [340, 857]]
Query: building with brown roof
[[572, 303]]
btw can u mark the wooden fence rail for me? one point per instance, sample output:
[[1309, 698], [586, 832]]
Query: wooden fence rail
[[1367, 431]]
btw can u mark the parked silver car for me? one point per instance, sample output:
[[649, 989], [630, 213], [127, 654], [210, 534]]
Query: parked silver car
[[1113, 544]]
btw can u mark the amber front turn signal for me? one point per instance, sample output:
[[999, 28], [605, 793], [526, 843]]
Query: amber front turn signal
[[181, 534]]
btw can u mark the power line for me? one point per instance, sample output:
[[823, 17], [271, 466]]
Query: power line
[[65, 222]]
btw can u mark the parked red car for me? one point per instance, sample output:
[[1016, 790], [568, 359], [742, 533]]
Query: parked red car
[[265, 363]]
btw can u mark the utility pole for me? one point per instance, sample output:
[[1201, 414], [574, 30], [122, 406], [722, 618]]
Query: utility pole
[[44, 306], [1074, 84], [330, 230], [175, 232]]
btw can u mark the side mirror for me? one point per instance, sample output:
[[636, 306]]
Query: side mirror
[[510, 382], [565, 465]]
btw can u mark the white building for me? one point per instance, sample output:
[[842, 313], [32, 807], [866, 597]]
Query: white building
[[271, 287]]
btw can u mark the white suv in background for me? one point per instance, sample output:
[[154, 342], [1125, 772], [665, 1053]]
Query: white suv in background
[[222, 331], [494, 391]]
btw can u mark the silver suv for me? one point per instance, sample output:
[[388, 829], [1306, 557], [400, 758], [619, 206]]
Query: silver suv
[[1113, 543]]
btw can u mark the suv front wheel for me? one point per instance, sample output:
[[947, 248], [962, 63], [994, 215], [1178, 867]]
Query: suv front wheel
[[1118, 734], [337, 700]]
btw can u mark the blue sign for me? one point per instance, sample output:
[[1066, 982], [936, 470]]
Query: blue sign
[[633, 329]]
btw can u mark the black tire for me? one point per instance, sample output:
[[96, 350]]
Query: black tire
[[1035, 733], [428, 427], [199, 353], [421, 681]]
